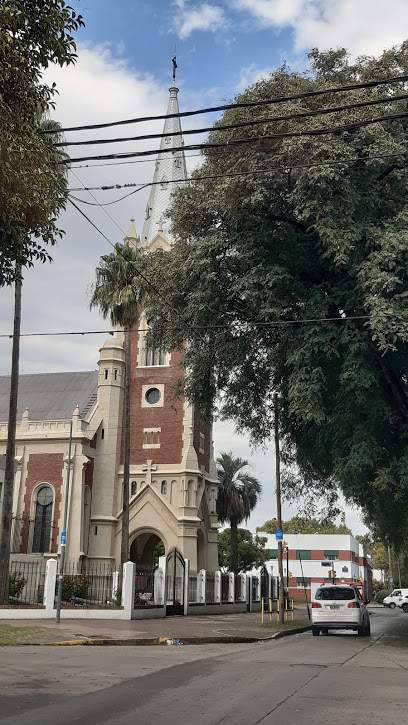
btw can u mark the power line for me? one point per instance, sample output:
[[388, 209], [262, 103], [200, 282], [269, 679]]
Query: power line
[[254, 323], [135, 161], [112, 219], [234, 174], [239, 124], [241, 104], [321, 131]]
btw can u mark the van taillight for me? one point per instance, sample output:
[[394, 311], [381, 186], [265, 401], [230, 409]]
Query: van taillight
[[353, 605], [316, 605]]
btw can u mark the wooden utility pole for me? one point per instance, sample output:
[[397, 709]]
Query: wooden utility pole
[[279, 509], [8, 488]]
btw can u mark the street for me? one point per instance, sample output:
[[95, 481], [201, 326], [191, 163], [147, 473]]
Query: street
[[339, 679]]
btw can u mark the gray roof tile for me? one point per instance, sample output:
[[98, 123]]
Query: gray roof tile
[[50, 396]]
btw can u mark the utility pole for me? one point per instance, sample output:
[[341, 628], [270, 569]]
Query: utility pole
[[279, 509], [390, 577], [64, 531], [7, 509]]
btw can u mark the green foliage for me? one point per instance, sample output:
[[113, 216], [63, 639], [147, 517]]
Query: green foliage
[[117, 291], [299, 525], [33, 35], [251, 551], [16, 585], [380, 595], [75, 586], [296, 243]]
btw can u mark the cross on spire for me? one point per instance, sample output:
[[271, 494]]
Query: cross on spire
[[174, 63]]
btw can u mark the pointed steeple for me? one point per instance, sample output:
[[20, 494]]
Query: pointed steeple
[[170, 166], [131, 237]]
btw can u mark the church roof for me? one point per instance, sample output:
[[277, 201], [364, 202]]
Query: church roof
[[170, 166], [51, 396]]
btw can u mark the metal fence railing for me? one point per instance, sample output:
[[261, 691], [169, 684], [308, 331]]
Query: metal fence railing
[[24, 583], [145, 588], [210, 588], [192, 587], [255, 588], [224, 588], [91, 586]]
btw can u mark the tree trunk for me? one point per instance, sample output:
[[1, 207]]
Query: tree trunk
[[8, 488], [234, 547], [124, 549]]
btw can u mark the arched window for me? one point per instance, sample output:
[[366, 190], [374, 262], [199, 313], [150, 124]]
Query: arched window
[[164, 488], [133, 488], [42, 520], [154, 354]]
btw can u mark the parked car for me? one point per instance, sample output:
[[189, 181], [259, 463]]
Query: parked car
[[403, 604], [395, 598], [339, 606]]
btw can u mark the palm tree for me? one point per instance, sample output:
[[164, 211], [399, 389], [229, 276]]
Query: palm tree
[[118, 295], [238, 494]]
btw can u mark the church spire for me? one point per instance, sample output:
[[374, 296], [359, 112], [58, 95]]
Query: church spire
[[170, 166]]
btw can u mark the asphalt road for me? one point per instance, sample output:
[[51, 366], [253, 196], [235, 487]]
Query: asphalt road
[[339, 679]]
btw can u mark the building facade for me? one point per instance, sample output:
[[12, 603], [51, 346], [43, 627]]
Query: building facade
[[173, 479], [311, 559]]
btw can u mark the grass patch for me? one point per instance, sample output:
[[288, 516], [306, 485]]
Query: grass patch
[[11, 634]]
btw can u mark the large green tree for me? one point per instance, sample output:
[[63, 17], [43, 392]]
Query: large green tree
[[33, 35], [301, 525], [290, 244], [251, 550], [118, 295], [238, 494]]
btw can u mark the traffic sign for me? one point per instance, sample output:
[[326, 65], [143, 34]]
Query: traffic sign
[[279, 535], [63, 537]]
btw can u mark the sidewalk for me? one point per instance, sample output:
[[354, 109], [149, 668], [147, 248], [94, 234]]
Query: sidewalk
[[202, 629]]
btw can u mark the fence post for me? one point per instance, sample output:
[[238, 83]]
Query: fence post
[[186, 583], [128, 588], [115, 584], [231, 587], [49, 585], [217, 587], [249, 592], [201, 583]]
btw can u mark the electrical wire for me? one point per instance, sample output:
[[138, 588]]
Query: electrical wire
[[239, 124], [234, 174], [240, 104], [254, 323], [112, 219], [321, 131]]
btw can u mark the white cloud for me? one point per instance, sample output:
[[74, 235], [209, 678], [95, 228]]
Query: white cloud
[[200, 17], [250, 74], [364, 27]]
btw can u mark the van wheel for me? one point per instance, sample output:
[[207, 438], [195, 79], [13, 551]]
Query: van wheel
[[392, 605], [405, 608], [315, 631]]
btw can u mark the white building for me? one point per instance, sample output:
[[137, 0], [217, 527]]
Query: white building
[[312, 559]]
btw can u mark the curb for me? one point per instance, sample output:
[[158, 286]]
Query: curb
[[162, 641]]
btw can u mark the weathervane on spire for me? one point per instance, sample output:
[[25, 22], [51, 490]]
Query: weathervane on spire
[[174, 62]]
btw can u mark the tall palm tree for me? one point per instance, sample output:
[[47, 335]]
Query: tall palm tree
[[118, 295], [238, 494]]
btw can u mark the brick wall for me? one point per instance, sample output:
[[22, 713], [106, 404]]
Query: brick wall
[[43, 468], [168, 417]]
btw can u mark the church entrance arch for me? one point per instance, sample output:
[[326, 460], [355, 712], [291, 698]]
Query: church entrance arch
[[146, 549]]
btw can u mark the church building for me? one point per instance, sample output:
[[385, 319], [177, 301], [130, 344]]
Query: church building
[[173, 479]]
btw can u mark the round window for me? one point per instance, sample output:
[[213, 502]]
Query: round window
[[152, 396]]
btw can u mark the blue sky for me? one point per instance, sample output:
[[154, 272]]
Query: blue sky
[[123, 70]]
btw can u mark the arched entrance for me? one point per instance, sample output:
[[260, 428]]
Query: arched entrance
[[146, 549]]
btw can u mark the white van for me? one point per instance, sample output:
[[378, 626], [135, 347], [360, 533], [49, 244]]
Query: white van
[[394, 599]]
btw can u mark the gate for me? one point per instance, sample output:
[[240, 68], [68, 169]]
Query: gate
[[264, 583], [175, 578]]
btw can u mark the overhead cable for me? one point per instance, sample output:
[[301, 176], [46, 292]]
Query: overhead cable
[[321, 131], [241, 104]]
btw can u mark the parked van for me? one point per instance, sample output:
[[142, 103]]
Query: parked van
[[394, 599]]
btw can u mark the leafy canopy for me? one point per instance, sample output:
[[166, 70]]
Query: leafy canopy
[[33, 35], [299, 525], [238, 491], [299, 244], [251, 551]]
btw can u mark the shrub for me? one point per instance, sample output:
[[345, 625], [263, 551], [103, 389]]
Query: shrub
[[74, 586], [380, 595], [16, 585]]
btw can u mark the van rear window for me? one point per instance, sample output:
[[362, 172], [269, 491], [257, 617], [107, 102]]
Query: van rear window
[[335, 593]]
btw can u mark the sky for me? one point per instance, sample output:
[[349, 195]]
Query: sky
[[123, 70]]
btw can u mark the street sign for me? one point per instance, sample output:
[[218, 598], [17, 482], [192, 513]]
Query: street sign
[[63, 537], [279, 535]]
